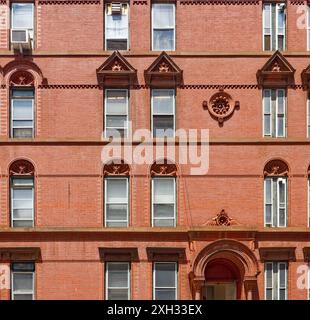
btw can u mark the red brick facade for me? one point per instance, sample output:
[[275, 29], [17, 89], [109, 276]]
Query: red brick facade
[[218, 47]]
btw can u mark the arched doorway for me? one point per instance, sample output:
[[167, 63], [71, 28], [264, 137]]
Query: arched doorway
[[222, 281], [229, 268]]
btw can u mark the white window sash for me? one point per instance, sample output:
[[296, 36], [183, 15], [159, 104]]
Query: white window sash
[[26, 187], [163, 114], [282, 205], [25, 119], [168, 203], [271, 201], [265, 100], [280, 115], [266, 285], [116, 288], [106, 202], [106, 27], [106, 114], [172, 27], [13, 14], [267, 5], [175, 288], [20, 292]]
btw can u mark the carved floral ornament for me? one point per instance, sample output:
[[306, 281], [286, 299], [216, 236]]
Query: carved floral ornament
[[221, 106], [276, 168], [21, 78], [221, 219], [116, 168], [21, 168], [163, 169]]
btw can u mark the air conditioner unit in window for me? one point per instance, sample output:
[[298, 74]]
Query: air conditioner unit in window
[[20, 39], [116, 8]]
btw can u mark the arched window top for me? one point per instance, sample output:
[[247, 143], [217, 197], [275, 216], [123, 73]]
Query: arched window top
[[21, 167], [276, 167], [116, 167], [22, 78], [163, 167]]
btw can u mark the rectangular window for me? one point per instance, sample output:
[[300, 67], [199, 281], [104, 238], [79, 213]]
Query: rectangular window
[[22, 202], [275, 202], [163, 112], [163, 202], [163, 26], [116, 202], [274, 108], [116, 26], [22, 113], [116, 113], [22, 17], [276, 280], [117, 281], [308, 115], [22, 281], [274, 24], [165, 275]]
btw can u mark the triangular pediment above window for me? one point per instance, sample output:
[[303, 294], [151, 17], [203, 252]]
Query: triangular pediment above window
[[277, 71], [116, 71], [305, 77], [163, 72]]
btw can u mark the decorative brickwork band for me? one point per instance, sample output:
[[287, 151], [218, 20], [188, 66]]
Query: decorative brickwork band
[[68, 2], [21, 167], [116, 168], [276, 167], [221, 106], [219, 2]]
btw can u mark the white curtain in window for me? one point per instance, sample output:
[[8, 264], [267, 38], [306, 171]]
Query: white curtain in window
[[116, 26]]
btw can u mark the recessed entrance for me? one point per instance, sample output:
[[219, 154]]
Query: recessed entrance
[[222, 281]]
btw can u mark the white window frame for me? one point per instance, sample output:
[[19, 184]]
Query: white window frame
[[12, 99], [276, 33], [175, 275], [105, 24], [308, 110], [167, 114], [171, 28], [106, 203], [278, 263], [107, 278], [13, 292], [106, 114], [273, 181], [175, 202], [308, 27], [12, 201], [275, 113]]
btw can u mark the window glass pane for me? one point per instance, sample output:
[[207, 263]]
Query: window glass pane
[[164, 211], [280, 101], [117, 275], [163, 222], [282, 294], [163, 39], [267, 95], [22, 282], [282, 269], [116, 212], [22, 133], [16, 93], [22, 109], [163, 15], [118, 294], [267, 42], [165, 294], [23, 266], [280, 126], [116, 121], [165, 275], [269, 294], [267, 22], [22, 223], [268, 275], [22, 15], [117, 26], [22, 296], [116, 102], [163, 101], [163, 190], [115, 133], [116, 190], [163, 126]]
